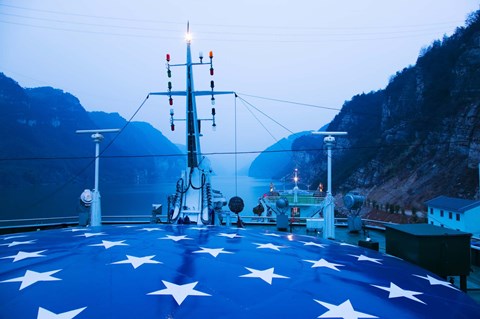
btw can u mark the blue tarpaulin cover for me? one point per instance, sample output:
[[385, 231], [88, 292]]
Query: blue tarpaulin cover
[[169, 271]]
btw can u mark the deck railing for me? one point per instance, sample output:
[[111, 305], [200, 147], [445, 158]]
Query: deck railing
[[123, 219]]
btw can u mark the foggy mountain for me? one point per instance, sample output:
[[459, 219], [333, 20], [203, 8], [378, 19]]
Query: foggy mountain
[[38, 143]]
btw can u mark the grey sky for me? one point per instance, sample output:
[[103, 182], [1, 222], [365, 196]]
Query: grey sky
[[111, 54]]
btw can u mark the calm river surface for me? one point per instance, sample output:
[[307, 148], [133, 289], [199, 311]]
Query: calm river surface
[[58, 201]]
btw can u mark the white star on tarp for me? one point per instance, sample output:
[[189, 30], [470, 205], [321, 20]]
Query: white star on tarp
[[434, 282], [344, 310], [347, 244], [15, 236], [366, 258], [397, 292], [46, 314], [73, 230], [271, 234], [108, 244], [176, 238], [269, 246], [311, 243], [323, 263], [149, 229], [87, 235], [266, 275], [199, 228], [212, 251], [32, 277], [24, 255], [179, 292], [138, 261], [229, 235], [16, 243]]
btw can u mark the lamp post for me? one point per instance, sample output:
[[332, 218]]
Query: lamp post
[[96, 209], [329, 207]]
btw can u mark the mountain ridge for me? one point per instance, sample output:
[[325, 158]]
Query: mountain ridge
[[39, 144]]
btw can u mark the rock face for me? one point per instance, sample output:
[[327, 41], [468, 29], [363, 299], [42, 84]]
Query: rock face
[[38, 143], [417, 138]]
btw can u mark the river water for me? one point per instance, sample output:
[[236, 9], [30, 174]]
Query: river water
[[42, 201]]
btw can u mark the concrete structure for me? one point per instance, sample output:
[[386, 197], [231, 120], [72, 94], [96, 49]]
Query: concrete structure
[[455, 213]]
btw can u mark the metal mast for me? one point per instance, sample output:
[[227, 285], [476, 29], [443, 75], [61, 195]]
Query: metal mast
[[329, 208], [193, 193], [96, 209]]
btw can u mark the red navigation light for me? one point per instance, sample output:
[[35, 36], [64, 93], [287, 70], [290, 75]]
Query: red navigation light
[[211, 71], [210, 54], [168, 57], [172, 127], [212, 84], [170, 100]]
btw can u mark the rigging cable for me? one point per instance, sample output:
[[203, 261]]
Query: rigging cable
[[377, 146], [266, 115], [291, 102], [260, 122], [313, 105]]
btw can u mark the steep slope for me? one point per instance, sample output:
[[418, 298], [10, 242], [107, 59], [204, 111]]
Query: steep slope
[[262, 166], [417, 138], [38, 143]]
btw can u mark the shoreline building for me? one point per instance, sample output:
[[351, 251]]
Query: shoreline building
[[455, 213]]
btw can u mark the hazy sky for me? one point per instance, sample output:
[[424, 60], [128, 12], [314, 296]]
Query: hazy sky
[[111, 54]]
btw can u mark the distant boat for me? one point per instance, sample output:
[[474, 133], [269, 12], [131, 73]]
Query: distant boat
[[295, 202]]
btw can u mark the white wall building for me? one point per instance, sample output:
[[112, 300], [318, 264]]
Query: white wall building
[[455, 213]]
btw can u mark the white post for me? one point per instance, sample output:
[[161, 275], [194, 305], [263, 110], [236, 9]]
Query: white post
[[329, 217], [329, 207], [96, 209]]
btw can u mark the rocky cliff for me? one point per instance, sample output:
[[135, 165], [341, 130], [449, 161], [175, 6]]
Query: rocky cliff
[[417, 138]]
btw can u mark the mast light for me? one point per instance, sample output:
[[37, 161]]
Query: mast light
[[188, 37]]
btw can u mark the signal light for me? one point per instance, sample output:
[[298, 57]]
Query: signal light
[[168, 57], [212, 84], [213, 111], [211, 71], [210, 54], [169, 73], [212, 100], [170, 101], [169, 85], [172, 127]]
